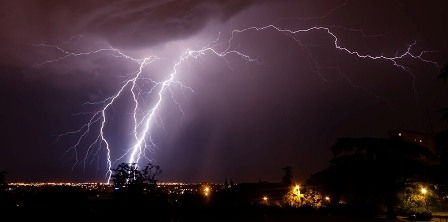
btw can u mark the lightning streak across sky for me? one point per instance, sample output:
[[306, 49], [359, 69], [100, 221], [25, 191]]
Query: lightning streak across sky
[[210, 90], [227, 49], [142, 126]]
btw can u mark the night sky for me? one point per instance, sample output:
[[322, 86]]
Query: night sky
[[223, 115]]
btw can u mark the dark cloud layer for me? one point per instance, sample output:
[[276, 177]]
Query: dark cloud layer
[[123, 24], [244, 123]]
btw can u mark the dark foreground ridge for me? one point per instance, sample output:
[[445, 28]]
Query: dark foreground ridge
[[190, 203]]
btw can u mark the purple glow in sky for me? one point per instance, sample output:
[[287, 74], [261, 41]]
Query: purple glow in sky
[[210, 90]]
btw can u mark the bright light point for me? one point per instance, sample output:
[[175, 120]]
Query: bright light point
[[423, 190], [206, 191], [265, 198]]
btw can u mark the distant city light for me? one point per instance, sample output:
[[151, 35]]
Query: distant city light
[[206, 191]]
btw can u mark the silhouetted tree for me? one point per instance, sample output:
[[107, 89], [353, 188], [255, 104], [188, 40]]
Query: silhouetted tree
[[287, 178], [438, 172], [124, 174], [148, 175], [372, 170], [441, 144], [442, 137], [129, 177]]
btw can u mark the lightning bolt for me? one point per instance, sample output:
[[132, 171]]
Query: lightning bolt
[[144, 119]]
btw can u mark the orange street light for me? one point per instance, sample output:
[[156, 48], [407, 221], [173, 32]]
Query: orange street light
[[265, 199], [423, 190], [206, 191]]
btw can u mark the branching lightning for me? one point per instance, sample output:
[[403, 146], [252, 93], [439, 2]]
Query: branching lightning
[[144, 120]]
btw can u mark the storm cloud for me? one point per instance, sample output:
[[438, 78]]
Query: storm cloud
[[222, 117]]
